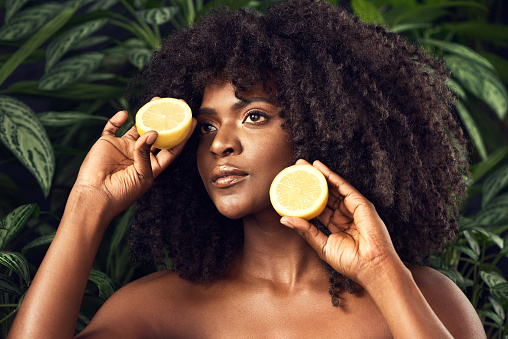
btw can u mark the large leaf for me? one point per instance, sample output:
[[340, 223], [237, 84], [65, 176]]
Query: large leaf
[[27, 22], [13, 222], [56, 119], [461, 50], [367, 12], [103, 4], [478, 170], [34, 42], [429, 12], [23, 134], [495, 212], [40, 241], [158, 16], [492, 278], [65, 42], [103, 282], [17, 263], [12, 7], [497, 307], [70, 70], [494, 184], [472, 129], [480, 81], [90, 41], [495, 33], [139, 57], [500, 291]]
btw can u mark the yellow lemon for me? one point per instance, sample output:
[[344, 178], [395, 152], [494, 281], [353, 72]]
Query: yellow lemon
[[171, 118], [299, 191]]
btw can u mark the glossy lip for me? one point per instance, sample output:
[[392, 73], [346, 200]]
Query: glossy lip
[[223, 176]]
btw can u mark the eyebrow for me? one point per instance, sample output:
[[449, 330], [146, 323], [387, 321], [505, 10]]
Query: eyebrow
[[241, 103]]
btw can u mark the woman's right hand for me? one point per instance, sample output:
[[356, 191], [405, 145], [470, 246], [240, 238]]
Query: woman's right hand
[[117, 171]]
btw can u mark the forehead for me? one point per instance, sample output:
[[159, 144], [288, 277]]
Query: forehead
[[226, 93]]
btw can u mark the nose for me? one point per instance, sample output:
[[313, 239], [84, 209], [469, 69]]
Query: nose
[[226, 142]]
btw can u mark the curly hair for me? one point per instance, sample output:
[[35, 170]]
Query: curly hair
[[364, 101]]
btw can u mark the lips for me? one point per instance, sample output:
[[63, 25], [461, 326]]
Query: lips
[[225, 176]]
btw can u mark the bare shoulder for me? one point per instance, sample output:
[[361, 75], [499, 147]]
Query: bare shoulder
[[135, 309], [448, 302]]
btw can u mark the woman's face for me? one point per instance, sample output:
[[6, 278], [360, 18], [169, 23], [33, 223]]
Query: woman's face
[[242, 148]]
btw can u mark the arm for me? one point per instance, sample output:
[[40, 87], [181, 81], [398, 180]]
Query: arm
[[360, 248], [115, 173]]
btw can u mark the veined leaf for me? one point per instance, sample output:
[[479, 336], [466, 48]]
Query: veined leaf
[[66, 118], [454, 276], [492, 316], [63, 43], [479, 81], [407, 27], [28, 21], [17, 263], [159, 15], [500, 291], [367, 12], [70, 71], [40, 241], [493, 214], [77, 3], [139, 57], [78, 91], [8, 285], [104, 4], [473, 243], [461, 50], [103, 282], [494, 184], [472, 129], [495, 33], [23, 134], [140, 3], [34, 42], [12, 7], [466, 250], [90, 41], [497, 307], [492, 278], [13, 222]]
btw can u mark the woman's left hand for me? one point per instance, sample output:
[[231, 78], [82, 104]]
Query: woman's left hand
[[359, 241]]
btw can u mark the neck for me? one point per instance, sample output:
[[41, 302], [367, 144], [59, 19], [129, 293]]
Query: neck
[[276, 254]]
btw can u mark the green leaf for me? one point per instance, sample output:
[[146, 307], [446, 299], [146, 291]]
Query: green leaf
[[65, 42], [408, 27], [28, 21], [460, 50], [40, 241], [367, 12], [12, 7], [466, 250], [90, 41], [494, 238], [473, 243], [495, 33], [104, 4], [456, 88], [480, 81], [17, 263], [158, 16], [8, 285], [472, 129], [430, 12], [23, 134], [119, 234], [233, 4], [494, 213], [478, 170], [494, 184], [492, 316], [69, 71], [500, 291], [454, 276], [77, 3], [55, 119], [492, 278], [78, 91], [139, 57], [34, 42], [103, 282], [13, 222], [498, 308]]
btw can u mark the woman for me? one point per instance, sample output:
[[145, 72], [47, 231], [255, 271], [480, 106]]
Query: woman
[[307, 82]]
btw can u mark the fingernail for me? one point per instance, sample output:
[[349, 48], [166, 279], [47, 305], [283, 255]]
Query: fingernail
[[151, 139], [285, 222]]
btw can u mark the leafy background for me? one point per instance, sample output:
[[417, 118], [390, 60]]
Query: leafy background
[[64, 65]]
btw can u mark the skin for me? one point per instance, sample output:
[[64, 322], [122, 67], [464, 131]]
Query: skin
[[276, 286]]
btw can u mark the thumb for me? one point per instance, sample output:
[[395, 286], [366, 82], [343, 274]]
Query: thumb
[[142, 155], [316, 239]]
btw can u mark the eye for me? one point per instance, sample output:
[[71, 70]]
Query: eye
[[255, 117], [205, 128]]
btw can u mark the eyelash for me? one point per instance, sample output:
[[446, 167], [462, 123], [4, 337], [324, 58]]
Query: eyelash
[[262, 116]]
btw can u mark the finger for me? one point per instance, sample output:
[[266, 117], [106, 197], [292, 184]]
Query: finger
[[302, 162], [155, 98], [114, 123], [142, 155], [316, 239], [132, 133], [165, 157]]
